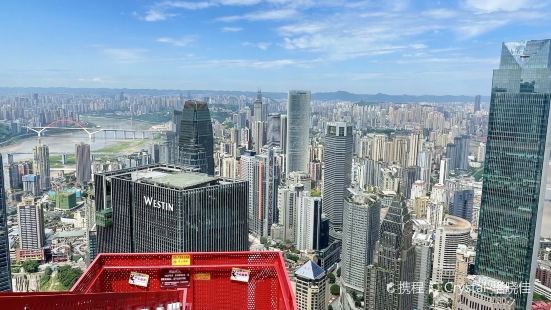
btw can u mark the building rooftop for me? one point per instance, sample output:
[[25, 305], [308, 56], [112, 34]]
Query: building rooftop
[[310, 270], [488, 284], [177, 179]]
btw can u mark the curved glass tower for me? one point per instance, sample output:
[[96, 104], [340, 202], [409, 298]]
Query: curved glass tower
[[515, 169], [196, 142], [298, 130]]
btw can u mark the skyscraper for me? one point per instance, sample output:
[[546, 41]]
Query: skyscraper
[[461, 204], [83, 163], [515, 169], [5, 269], [273, 132], [262, 174], [308, 224], [449, 235], [394, 263], [298, 130], [196, 141], [359, 238], [41, 164], [259, 109], [338, 170], [160, 208], [283, 133], [477, 103]]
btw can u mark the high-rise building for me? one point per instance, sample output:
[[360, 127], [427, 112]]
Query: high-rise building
[[41, 164], [196, 141], [262, 174], [273, 132], [258, 136], [477, 103], [359, 238], [31, 184], [163, 208], [453, 232], [461, 204], [30, 218], [423, 242], [259, 109], [337, 174], [310, 287], [444, 170], [298, 130], [518, 137], [394, 261], [283, 133], [5, 269], [288, 198], [83, 163], [481, 154], [309, 230]]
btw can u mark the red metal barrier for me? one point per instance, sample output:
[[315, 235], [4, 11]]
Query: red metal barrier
[[228, 280]]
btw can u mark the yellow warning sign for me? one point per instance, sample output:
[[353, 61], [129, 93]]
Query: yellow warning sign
[[201, 276], [181, 260]]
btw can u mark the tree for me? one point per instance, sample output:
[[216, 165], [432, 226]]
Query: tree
[[331, 277], [67, 276], [263, 240], [339, 272], [335, 290], [330, 307], [30, 266]]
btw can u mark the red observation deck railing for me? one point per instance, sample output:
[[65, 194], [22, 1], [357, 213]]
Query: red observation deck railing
[[171, 281]]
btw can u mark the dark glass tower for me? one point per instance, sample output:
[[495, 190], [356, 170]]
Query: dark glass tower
[[515, 168], [394, 261], [195, 136], [5, 270]]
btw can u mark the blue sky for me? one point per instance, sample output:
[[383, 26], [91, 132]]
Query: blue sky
[[392, 46]]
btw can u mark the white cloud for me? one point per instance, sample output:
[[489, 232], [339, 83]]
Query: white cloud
[[476, 28], [278, 14], [156, 15], [93, 80], [489, 6], [231, 29], [186, 5], [239, 2], [125, 55], [260, 45], [440, 13], [180, 42]]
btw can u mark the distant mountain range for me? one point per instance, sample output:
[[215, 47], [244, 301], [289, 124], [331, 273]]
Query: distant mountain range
[[336, 95]]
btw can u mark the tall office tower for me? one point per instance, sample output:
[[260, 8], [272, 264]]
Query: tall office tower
[[41, 164], [481, 154], [298, 130], [438, 194], [461, 204], [444, 170], [259, 109], [449, 235], [258, 136], [378, 148], [15, 177], [273, 132], [464, 265], [308, 226], [311, 287], [84, 163], [451, 151], [477, 103], [394, 261], [283, 134], [149, 208], [337, 173], [31, 225], [518, 137], [409, 176], [482, 292], [262, 174], [422, 240], [196, 141], [359, 238], [5, 269], [415, 141]]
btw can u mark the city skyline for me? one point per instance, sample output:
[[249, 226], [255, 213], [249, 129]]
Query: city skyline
[[316, 45]]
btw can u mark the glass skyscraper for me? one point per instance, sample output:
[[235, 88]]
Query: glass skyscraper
[[515, 170], [5, 271], [298, 130], [196, 142]]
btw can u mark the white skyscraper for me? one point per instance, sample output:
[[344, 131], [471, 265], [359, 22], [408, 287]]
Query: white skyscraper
[[308, 219]]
